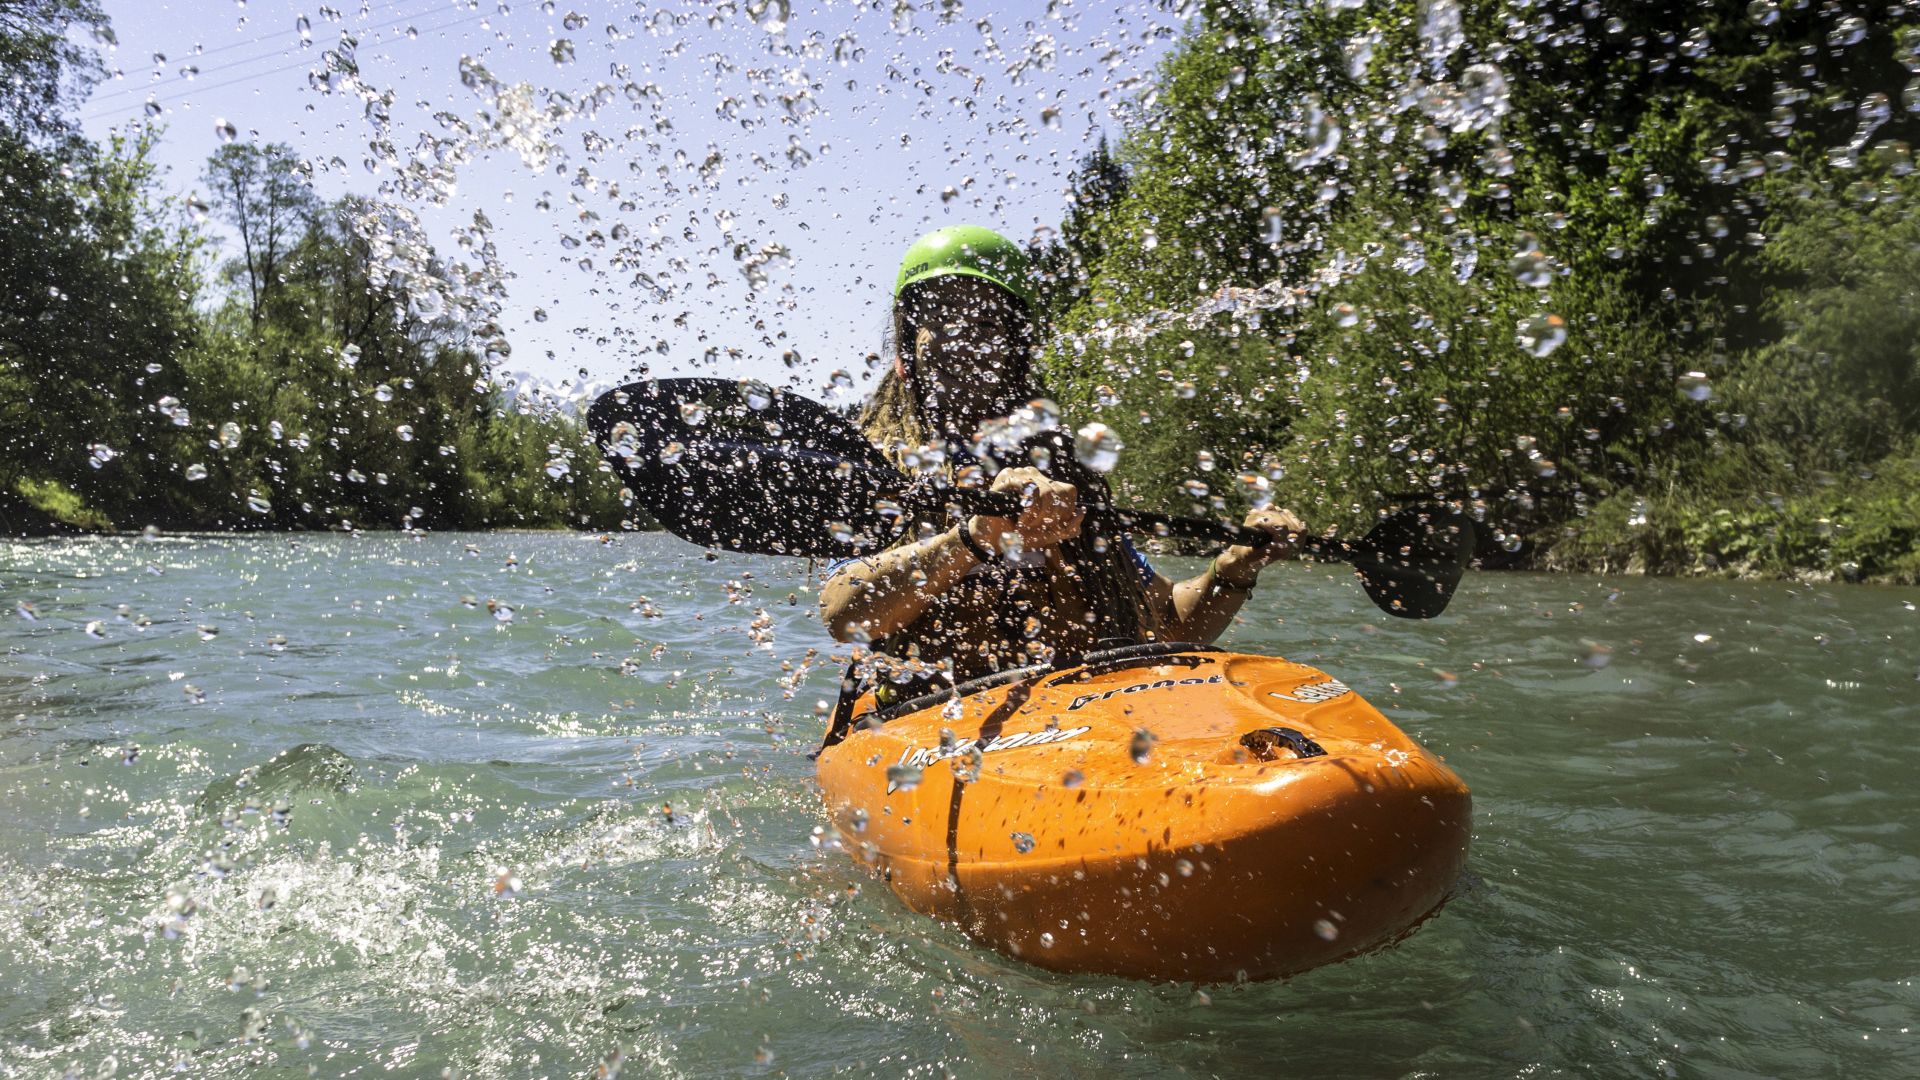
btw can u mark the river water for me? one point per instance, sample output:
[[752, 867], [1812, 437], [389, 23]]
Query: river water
[[305, 806]]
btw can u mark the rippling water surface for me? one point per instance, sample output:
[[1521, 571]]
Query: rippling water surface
[[306, 805]]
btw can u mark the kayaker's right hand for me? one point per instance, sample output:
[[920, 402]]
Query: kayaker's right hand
[[1051, 511]]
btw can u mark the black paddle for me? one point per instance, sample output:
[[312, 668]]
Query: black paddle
[[747, 467]]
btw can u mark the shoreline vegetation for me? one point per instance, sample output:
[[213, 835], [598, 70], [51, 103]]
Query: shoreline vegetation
[[1636, 285], [1639, 292]]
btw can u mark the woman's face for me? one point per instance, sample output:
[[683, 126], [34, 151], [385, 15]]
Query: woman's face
[[967, 359]]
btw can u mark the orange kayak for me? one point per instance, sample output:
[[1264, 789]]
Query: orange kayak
[[1159, 812]]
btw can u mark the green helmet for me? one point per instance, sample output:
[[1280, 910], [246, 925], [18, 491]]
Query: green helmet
[[969, 250]]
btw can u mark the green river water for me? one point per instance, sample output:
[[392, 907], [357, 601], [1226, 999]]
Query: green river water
[[305, 806]]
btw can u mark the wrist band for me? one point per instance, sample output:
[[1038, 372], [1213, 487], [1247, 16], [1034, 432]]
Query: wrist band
[[973, 546], [1222, 585]]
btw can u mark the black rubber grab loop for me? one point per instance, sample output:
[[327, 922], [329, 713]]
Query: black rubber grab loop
[[1110, 659], [1265, 741]]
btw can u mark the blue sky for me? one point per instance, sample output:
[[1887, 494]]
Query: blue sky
[[994, 101]]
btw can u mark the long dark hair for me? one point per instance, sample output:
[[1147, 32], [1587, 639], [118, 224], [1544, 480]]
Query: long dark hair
[[895, 419]]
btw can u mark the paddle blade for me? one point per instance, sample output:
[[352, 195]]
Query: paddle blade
[[1410, 563], [741, 466]]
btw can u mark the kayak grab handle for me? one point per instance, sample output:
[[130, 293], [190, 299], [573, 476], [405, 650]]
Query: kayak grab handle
[[1266, 742], [1121, 663]]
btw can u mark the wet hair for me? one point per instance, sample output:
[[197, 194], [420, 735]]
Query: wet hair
[[895, 420]]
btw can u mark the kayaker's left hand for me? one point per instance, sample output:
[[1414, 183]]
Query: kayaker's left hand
[[1242, 563]]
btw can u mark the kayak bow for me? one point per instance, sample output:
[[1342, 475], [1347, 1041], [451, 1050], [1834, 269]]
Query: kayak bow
[[1161, 812]]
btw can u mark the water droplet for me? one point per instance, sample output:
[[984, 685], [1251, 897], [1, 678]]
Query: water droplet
[[196, 471], [1325, 929], [258, 503], [1272, 224], [1023, 842], [1141, 747], [1530, 265], [1696, 386], [405, 432], [506, 884], [225, 130], [1097, 447], [771, 15], [179, 911], [1848, 32], [1319, 135], [758, 395], [1541, 334], [903, 777]]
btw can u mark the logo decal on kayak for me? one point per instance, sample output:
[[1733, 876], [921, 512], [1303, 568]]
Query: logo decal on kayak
[[1314, 693], [1162, 684], [921, 757]]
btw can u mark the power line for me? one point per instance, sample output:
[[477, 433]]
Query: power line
[[263, 74], [262, 56], [281, 33]]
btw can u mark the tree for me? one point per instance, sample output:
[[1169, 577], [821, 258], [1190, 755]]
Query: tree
[[44, 70], [259, 191], [1064, 265]]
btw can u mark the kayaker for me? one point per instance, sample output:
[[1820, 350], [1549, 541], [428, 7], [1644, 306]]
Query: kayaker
[[989, 593]]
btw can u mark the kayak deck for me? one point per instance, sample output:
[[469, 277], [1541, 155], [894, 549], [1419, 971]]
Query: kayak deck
[[1200, 815]]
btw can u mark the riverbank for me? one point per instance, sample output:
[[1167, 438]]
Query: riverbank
[[1865, 528]]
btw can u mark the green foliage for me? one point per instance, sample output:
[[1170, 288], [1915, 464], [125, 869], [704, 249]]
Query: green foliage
[[1867, 527], [314, 387], [59, 503], [44, 65], [97, 289], [1341, 244]]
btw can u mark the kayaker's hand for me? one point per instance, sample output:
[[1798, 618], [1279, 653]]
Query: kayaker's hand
[[1051, 511], [1242, 563]]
